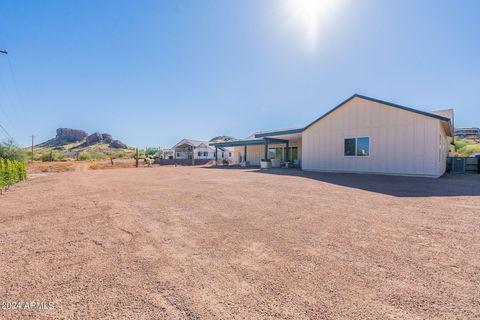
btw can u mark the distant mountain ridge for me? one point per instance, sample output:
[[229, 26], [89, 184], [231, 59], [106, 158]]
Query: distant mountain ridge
[[222, 139], [76, 140]]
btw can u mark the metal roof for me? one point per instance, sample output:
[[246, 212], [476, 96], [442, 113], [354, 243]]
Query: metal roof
[[261, 137]]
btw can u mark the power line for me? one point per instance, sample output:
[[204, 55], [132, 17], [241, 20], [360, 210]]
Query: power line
[[6, 132], [19, 95], [2, 127]]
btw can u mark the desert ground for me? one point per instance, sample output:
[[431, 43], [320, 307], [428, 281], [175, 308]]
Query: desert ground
[[208, 243]]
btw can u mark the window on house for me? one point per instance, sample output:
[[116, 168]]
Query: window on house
[[359, 147], [199, 153], [229, 154], [363, 147], [178, 154], [350, 147], [205, 154]]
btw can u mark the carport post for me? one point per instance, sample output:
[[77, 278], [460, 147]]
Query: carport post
[[216, 156], [266, 151], [286, 151], [245, 154]]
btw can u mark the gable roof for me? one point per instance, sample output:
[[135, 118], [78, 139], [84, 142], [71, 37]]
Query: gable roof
[[191, 142], [260, 137], [390, 104]]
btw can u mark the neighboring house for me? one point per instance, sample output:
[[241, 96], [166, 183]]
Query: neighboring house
[[467, 132], [167, 154], [189, 148], [201, 150], [361, 135]]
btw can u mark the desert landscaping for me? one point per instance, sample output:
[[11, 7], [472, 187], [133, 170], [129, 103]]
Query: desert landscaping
[[217, 243]]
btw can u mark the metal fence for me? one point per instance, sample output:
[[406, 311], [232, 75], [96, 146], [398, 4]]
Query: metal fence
[[463, 164]]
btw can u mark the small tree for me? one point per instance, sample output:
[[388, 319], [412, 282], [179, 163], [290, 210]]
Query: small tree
[[10, 150], [2, 177]]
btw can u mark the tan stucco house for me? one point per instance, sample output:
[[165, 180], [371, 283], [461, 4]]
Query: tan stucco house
[[360, 135]]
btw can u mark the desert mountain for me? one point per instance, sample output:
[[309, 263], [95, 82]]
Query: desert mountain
[[222, 139], [71, 141]]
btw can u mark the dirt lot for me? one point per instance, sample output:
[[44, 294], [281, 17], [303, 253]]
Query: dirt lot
[[203, 243]]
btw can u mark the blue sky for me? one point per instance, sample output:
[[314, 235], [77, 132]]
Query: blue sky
[[153, 72]]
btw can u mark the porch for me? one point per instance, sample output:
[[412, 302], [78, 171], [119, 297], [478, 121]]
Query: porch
[[274, 149]]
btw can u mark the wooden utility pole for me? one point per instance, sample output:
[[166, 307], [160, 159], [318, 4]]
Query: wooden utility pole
[[136, 157], [33, 137]]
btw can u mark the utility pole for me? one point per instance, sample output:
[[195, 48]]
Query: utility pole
[[136, 157], [33, 137]]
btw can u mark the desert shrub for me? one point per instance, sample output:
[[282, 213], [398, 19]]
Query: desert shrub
[[52, 155], [116, 154], [469, 150], [11, 172], [152, 151], [10, 150], [460, 143], [84, 156]]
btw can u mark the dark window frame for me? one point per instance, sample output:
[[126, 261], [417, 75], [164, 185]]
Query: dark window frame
[[355, 151]]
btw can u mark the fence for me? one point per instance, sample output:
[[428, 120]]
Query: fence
[[463, 164]]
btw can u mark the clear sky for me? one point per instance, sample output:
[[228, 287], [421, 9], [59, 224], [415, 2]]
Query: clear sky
[[153, 72]]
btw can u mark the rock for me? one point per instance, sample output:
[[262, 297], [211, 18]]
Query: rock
[[94, 138], [70, 135], [118, 144], [107, 138], [222, 139]]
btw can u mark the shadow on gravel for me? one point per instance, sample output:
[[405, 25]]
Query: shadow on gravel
[[450, 185]]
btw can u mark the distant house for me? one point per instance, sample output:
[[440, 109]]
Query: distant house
[[167, 154], [467, 132], [360, 135], [200, 150]]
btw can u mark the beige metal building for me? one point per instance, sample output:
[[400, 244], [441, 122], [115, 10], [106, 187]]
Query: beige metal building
[[361, 135]]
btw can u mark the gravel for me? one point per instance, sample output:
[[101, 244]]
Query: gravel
[[205, 243]]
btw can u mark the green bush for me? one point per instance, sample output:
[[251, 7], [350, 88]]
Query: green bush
[[52, 155], [460, 143], [11, 172], [10, 150], [84, 156]]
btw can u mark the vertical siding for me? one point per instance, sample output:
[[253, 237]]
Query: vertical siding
[[401, 142]]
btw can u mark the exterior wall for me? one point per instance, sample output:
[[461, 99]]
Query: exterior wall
[[255, 153], [201, 149], [228, 154], [181, 153], [401, 142], [444, 145]]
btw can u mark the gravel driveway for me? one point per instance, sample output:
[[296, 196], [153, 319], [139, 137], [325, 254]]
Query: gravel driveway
[[204, 243]]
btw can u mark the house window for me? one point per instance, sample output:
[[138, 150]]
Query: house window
[[199, 153], [363, 147], [205, 154], [350, 147], [178, 154], [359, 147], [229, 154]]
